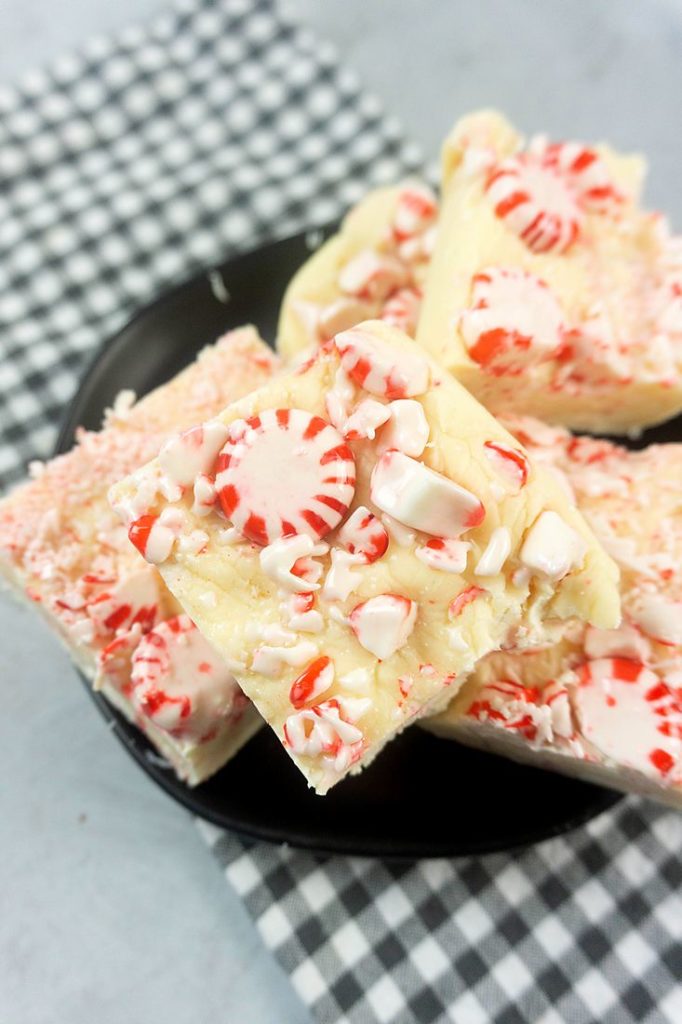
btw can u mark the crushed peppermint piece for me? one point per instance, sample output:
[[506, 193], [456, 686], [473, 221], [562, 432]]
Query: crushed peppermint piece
[[496, 553], [421, 498], [314, 681], [552, 548], [382, 624], [444, 555], [407, 429], [364, 535]]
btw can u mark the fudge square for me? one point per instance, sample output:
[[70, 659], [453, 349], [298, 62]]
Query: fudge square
[[63, 548], [551, 292], [603, 705], [353, 537]]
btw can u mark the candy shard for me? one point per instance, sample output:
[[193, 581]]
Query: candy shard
[[365, 420], [314, 681], [278, 559], [327, 729], [407, 429], [188, 455], [341, 581], [383, 624], [419, 497], [552, 547], [364, 535], [510, 462], [659, 617], [496, 553], [153, 539], [303, 448], [375, 365], [371, 276], [445, 555]]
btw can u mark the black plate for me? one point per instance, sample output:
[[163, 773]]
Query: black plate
[[423, 797]]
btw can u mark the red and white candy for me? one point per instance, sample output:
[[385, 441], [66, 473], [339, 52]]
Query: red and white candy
[[329, 730], [180, 683], [536, 201], [511, 463], [383, 624], [444, 555], [514, 321], [466, 597], [630, 715], [284, 472], [364, 535], [542, 194], [585, 171], [495, 554], [416, 210], [372, 276], [279, 560], [154, 536], [135, 600], [420, 497], [365, 420], [314, 681], [185, 457], [402, 309], [379, 367]]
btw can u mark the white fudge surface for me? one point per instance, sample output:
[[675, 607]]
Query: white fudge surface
[[346, 618]]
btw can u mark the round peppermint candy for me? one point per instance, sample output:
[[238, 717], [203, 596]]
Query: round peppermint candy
[[285, 472], [180, 683]]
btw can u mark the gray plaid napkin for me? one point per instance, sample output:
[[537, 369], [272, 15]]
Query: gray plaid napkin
[[124, 169], [149, 156]]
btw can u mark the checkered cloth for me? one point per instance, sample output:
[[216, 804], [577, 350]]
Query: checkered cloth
[[128, 167], [580, 929], [149, 156]]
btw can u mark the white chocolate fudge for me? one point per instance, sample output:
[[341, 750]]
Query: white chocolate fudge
[[373, 533], [373, 268], [605, 705], [551, 293], [62, 547]]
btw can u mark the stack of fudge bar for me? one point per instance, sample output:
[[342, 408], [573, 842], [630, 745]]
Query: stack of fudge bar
[[394, 524]]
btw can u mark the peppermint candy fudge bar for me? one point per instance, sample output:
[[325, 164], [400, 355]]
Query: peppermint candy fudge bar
[[62, 547], [353, 537], [605, 705], [374, 267], [551, 292]]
